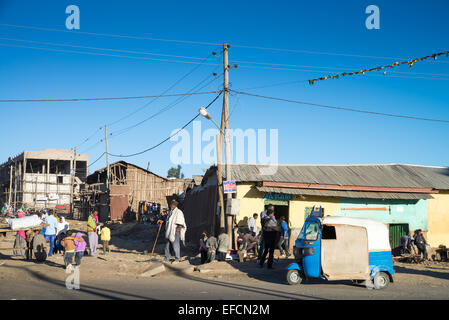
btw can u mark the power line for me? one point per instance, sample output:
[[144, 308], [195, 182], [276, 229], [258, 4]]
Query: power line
[[168, 138], [103, 54], [102, 48], [109, 98], [206, 43], [340, 108], [97, 159], [169, 106], [190, 57], [164, 92], [89, 137], [110, 35], [323, 67], [157, 97], [320, 52]]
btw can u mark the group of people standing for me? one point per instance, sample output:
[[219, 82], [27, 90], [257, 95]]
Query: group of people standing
[[274, 235], [408, 243], [61, 239]]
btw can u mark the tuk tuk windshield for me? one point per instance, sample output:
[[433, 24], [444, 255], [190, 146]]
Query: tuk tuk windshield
[[309, 231]]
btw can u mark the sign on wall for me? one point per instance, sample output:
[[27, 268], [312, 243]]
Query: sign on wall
[[229, 186], [278, 196]]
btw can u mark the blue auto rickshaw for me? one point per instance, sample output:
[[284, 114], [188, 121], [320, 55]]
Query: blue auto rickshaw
[[342, 248]]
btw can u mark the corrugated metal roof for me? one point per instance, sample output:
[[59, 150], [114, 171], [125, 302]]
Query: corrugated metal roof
[[375, 175], [347, 194]]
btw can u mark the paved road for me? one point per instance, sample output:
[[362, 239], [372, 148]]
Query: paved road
[[267, 285]]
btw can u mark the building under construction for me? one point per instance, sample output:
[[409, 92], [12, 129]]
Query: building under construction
[[129, 186], [43, 179]]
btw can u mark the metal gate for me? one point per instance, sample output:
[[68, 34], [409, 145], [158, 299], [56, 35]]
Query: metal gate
[[396, 232]]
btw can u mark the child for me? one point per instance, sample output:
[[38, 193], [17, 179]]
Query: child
[[105, 237], [69, 245], [80, 246], [58, 246]]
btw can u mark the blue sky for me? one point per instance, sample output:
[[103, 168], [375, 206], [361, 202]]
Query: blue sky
[[408, 29]]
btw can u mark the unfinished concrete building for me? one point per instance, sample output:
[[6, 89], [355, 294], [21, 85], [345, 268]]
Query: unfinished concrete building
[[43, 179]]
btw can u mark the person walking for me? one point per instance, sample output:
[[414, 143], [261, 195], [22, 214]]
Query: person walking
[[50, 231], [223, 244], [421, 243], [283, 239], [203, 248], [271, 230], [92, 235], [263, 218], [175, 230], [252, 224], [105, 236]]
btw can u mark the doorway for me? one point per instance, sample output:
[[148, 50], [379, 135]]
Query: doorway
[[396, 231], [280, 210]]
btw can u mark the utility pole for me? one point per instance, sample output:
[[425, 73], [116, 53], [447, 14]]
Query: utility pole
[[10, 184], [107, 156], [73, 182], [225, 114], [219, 138]]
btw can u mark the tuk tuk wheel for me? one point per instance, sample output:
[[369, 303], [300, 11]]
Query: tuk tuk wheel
[[293, 277], [381, 280]]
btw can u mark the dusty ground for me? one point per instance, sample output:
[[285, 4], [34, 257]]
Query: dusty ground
[[117, 275]]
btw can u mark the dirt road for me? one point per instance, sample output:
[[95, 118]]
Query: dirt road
[[47, 281], [116, 276]]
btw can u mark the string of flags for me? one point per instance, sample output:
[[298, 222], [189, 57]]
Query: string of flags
[[409, 62]]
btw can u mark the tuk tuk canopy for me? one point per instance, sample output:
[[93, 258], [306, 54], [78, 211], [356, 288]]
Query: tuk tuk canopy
[[378, 235]]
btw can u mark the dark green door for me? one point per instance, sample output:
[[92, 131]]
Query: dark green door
[[396, 232]]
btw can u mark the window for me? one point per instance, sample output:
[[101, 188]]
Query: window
[[309, 231], [328, 233], [60, 179], [312, 231]]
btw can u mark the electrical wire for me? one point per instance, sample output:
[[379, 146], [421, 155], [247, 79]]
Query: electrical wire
[[207, 43], [89, 137], [331, 68], [169, 137], [104, 54], [166, 108], [101, 48], [96, 160], [110, 35], [341, 108], [108, 98], [164, 92]]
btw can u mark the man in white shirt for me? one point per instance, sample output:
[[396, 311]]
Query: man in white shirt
[[252, 224]]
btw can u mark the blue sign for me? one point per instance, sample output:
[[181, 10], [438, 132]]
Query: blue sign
[[278, 196]]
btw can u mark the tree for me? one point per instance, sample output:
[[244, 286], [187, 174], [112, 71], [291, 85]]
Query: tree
[[175, 173]]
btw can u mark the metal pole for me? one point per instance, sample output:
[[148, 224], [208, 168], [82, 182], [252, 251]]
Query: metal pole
[[227, 133]]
